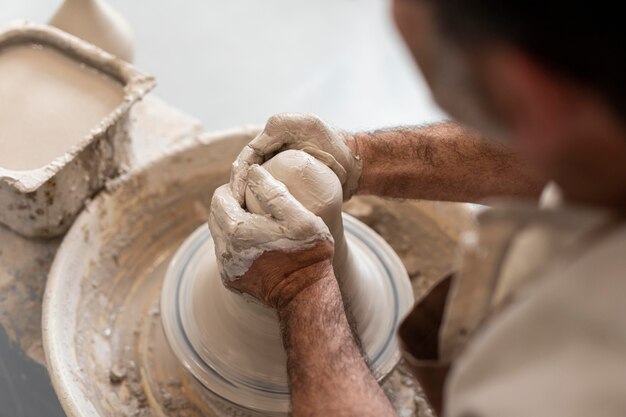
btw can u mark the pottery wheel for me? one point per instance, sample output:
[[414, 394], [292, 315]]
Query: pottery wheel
[[246, 365], [105, 346]]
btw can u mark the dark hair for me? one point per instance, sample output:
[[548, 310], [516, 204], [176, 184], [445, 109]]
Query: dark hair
[[583, 40]]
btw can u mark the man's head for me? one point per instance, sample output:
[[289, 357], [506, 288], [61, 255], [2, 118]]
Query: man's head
[[547, 76]]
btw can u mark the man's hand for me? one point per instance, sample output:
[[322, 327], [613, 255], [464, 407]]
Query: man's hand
[[284, 259], [304, 132], [276, 277], [271, 257]]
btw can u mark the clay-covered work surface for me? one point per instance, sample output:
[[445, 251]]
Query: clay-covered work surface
[[25, 389], [102, 329], [65, 115]]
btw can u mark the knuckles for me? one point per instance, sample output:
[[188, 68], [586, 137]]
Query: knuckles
[[294, 122]]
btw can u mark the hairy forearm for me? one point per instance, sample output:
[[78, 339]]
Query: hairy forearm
[[328, 374], [442, 162]]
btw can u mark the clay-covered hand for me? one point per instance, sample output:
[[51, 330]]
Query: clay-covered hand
[[268, 256], [304, 132]]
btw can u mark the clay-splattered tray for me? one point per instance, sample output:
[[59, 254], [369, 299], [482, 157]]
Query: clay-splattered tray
[[103, 338], [25, 262], [44, 201]]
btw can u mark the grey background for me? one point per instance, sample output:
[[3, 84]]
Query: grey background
[[234, 62]]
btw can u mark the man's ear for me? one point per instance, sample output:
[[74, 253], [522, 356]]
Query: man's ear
[[535, 104]]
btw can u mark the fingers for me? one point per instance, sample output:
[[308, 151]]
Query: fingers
[[288, 130], [226, 212], [253, 153], [304, 132], [228, 221], [266, 144], [241, 237], [274, 197], [239, 172], [329, 160]]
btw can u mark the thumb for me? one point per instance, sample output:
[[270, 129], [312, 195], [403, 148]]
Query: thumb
[[273, 196]]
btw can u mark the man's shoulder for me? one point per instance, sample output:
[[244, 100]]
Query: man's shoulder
[[559, 348]]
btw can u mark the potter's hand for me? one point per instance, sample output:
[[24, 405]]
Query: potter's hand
[[271, 257], [304, 132]]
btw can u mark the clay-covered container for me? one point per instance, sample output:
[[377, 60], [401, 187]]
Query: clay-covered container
[[43, 202]]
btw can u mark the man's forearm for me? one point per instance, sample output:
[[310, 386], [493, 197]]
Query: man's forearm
[[442, 162], [328, 374]]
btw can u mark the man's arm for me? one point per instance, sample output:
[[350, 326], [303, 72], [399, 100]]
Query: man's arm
[[441, 162], [438, 162], [328, 374], [287, 265]]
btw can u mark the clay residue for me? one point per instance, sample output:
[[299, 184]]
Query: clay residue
[[24, 265], [24, 262], [137, 373], [120, 338], [405, 394]]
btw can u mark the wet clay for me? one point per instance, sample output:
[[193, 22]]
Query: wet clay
[[49, 103], [316, 186], [231, 343]]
